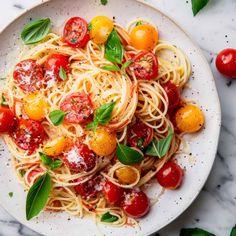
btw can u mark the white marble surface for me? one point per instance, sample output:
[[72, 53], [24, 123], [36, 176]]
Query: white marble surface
[[213, 29]]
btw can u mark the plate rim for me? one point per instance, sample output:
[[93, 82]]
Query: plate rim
[[217, 105]]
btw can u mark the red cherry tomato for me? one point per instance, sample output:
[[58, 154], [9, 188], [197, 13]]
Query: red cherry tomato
[[7, 120], [76, 32], [52, 66], [139, 135], [170, 175], [32, 174], [112, 192], [136, 204], [28, 75], [78, 108], [226, 62], [89, 188], [28, 135], [80, 158], [145, 66], [173, 95]]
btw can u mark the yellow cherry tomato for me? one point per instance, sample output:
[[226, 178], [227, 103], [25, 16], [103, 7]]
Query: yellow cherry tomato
[[56, 146], [189, 118], [35, 106], [101, 27], [126, 175], [103, 142], [144, 37]]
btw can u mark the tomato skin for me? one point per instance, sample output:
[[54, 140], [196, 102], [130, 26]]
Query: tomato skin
[[140, 131], [76, 32], [170, 176], [113, 193], [7, 120], [226, 62], [28, 135], [78, 107], [79, 158], [173, 95], [136, 204], [145, 66], [32, 174], [52, 66], [28, 75]]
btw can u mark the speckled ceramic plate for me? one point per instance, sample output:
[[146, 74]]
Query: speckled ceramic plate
[[203, 145]]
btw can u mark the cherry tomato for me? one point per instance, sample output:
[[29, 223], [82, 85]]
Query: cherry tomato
[[144, 37], [170, 175], [28, 135], [145, 66], [173, 95], [136, 204], [52, 66], [101, 27], [79, 158], [89, 188], [139, 135], [113, 193], [226, 62], [78, 108], [126, 175], [76, 32], [189, 119], [7, 120], [28, 75]]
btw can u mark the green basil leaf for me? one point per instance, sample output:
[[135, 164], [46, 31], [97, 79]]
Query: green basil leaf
[[114, 50], [126, 64], [38, 195], [90, 26], [104, 2], [56, 164], [111, 68], [49, 162], [62, 73], [127, 155], [57, 117], [35, 31], [138, 23], [197, 5], [93, 125], [159, 148], [4, 101], [22, 173], [195, 232], [233, 231], [10, 194], [107, 217]]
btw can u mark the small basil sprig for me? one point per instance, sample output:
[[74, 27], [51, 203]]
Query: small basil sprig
[[197, 5], [159, 148], [195, 232], [114, 50], [107, 217], [117, 68], [62, 73], [233, 231], [104, 2], [35, 31], [49, 162], [38, 195], [102, 116], [57, 117], [127, 155]]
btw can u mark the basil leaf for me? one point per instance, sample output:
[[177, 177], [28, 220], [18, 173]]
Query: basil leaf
[[138, 23], [126, 64], [49, 162], [107, 217], [159, 148], [35, 31], [197, 5], [233, 231], [102, 115], [56, 164], [22, 173], [90, 26], [38, 195], [104, 2], [127, 155], [62, 73], [57, 117], [111, 68], [10, 194], [114, 50], [195, 232], [3, 101]]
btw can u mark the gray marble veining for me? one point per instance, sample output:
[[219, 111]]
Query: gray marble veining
[[213, 29]]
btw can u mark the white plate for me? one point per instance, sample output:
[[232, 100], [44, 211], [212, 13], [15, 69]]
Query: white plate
[[203, 145]]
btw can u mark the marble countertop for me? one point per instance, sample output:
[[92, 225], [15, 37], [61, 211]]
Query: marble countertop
[[214, 28]]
